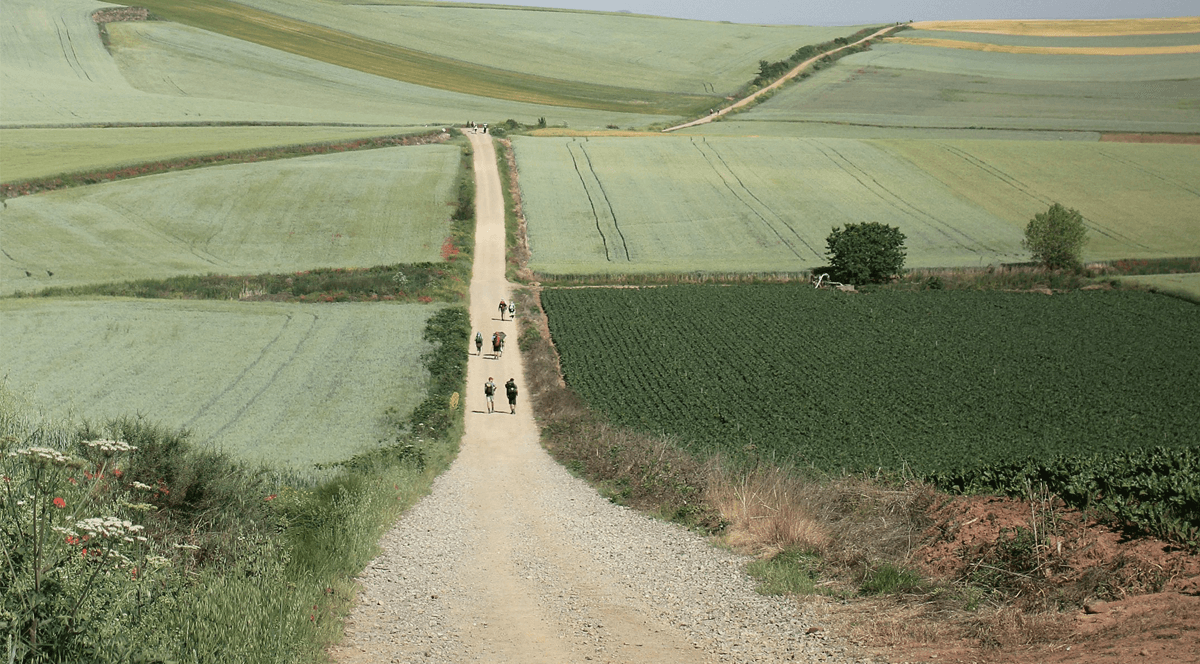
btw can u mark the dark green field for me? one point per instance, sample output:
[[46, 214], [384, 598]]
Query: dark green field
[[929, 381]]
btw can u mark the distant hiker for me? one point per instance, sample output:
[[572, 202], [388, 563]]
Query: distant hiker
[[479, 343], [510, 388], [503, 309], [498, 344], [512, 310], [489, 391]]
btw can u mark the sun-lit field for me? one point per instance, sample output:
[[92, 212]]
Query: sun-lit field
[[32, 153], [1139, 201], [1070, 28], [290, 385], [358, 209], [623, 50], [681, 204], [972, 45], [1185, 284]]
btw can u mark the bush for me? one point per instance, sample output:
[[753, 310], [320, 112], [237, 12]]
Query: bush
[[866, 253], [1056, 237]]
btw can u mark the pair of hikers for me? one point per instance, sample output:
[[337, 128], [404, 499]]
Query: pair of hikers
[[497, 343], [510, 389], [510, 307]]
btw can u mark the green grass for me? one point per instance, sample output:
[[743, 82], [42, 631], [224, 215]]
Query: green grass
[[34, 153], [376, 207], [685, 204], [915, 98], [289, 385], [746, 125], [390, 60], [790, 572], [1119, 41], [627, 51], [1138, 201]]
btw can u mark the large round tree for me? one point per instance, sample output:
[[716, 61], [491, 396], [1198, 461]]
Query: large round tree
[[866, 253], [1056, 237]]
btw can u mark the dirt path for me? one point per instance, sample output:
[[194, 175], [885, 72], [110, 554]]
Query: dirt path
[[511, 559], [786, 77]]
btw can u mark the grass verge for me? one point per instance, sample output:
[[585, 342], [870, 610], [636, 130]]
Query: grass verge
[[123, 542]]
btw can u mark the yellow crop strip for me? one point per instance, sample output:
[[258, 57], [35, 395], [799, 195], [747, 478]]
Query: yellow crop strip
[[1047, 50], [1071, 28], [402, 64]]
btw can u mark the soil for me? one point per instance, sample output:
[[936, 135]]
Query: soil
[[1087, 592]]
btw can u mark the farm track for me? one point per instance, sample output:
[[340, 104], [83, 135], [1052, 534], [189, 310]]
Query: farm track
[[510, 559]]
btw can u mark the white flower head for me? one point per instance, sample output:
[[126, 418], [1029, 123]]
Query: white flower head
[[143, 487], [43, 454], [108, 526], [110, 446]]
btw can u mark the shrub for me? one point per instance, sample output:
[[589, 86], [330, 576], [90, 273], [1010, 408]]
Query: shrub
[[1056, 237], [866, 253]]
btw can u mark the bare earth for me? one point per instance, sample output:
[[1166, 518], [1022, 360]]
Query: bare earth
[[511, 559]]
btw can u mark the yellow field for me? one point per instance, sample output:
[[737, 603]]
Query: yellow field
[[1047, 50], [1076, 28]]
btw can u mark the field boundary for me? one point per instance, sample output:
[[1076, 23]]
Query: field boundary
[[32, 186], [1045, 50]]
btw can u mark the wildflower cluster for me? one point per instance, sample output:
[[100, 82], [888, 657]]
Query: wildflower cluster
[[111, 526], [44, 454], [110, 446]]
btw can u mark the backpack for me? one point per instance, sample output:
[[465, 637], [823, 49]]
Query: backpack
[[489, 389]]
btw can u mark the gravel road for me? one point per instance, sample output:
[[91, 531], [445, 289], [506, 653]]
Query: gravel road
[[511, 559]]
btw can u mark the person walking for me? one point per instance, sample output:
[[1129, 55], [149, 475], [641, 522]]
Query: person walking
[[489, 391], [512, 310], [503, 309], [510, 388], [479, 343]]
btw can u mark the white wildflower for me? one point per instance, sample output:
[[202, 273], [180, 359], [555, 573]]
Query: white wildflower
[[108, 526], [42, 454], [143, 487], [157, 561], [110, 446]]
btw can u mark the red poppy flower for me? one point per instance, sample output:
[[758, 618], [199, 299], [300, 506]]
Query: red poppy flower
[[60, 503]]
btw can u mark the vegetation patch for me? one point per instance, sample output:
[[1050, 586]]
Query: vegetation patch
[[1003, 376]]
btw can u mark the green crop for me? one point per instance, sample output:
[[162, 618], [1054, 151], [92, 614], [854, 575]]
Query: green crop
[[942, 384], [286, 384]]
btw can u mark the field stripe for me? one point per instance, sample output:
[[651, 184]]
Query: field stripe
[[402, 64], [611, 211], [1070, 28], [781, 218], [743, 201], [1154, 174], [1182, 49], [591, 202]]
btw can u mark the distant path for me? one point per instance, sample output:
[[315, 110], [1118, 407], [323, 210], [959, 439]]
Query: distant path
[[786, 77], [511, 559]]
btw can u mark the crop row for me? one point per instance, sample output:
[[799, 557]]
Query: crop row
[[932, 383]]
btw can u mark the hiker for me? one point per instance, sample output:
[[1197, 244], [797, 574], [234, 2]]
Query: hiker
[[510, 388], [479, 343], [489, 391], [512, 310], [503, 308], [498, 344]]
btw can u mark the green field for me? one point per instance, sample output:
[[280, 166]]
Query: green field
[[1097, 41], [677, 204], [928, 381], [902, 97], [744, 126], [1138, 201], [291, 385], [375, 207], [1187, 285], [621, 50], [34, 153]]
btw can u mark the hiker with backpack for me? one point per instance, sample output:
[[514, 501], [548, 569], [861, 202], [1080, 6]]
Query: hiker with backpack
[[511, 389], [479, 343], [503, 308], [489, 391]]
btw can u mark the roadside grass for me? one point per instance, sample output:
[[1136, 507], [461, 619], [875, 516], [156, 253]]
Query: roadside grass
[[412, 66], [34, 158], [253, 565], [515, 229], [288, 215]]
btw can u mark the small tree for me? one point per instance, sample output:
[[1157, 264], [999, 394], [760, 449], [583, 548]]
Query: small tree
[[1056, 237], [866, 253]]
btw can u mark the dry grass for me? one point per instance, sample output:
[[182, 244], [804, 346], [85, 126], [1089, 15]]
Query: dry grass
[[1071, 28], [1046, 50]]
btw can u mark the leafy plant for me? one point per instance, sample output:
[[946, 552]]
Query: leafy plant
[[866, 253], [1056, 237]]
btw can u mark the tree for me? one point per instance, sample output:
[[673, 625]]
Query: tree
[[866, 253], [1056, 237]]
